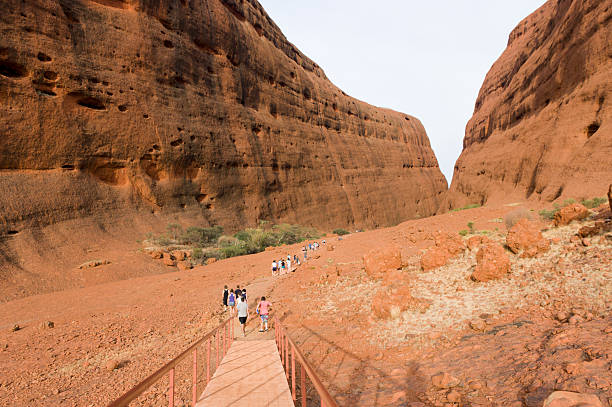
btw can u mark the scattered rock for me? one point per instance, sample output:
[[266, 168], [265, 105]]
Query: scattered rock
[[390, 303], [453, 243], [168, 260], [113, 364], [561, 316], [478, 325], [434, 257], [476, 241], [210, 260], [157, 254], [526, 237], [381, 260], [453, 396], [444, 380], [93, 263], [179, 255], [48, 324], [570, 213], [184, 265], [16, 328], [571, 399], [492, 263]]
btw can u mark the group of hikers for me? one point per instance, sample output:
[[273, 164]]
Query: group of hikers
[[237, 302], [236, 299], [283, 266]]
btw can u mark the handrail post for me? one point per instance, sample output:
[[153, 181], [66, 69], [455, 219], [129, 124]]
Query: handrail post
[[218, 347], [208, 361], [171, 389], [194, 392], [303, 384], [224, 339], [293, 372], [287, 355]]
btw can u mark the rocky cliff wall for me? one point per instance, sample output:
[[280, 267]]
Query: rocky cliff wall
[[542, 125], [191, 106]]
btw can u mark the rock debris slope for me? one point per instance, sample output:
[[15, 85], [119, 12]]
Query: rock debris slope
[[542, 124], [198, 106]]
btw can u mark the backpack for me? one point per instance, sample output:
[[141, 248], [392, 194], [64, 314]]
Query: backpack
[[231, 297]]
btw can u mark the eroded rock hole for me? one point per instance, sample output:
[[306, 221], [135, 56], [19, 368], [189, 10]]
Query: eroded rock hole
[[168, 44], [12, 69], [68, 167], [12, 232], [200, 198], [50, 75], [45, 92], [176, 143], [43, 57], [122, 108], [91, 103], [592, 129]]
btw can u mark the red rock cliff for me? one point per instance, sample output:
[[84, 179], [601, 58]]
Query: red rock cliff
[[198, 106], [542, 125]]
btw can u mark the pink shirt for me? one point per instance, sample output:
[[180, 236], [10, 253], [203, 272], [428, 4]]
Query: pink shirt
[[263, 307]]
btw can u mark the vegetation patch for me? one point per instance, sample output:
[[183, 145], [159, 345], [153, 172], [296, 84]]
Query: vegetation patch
[[470, 206]]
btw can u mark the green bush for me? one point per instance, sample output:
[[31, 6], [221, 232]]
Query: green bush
[[201, 236], [341, 232], [470, 225], [233, 251], [470, 206], [463, 232], [593, 203]]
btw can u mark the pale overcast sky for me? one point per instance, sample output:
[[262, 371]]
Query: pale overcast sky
[[425, 58]]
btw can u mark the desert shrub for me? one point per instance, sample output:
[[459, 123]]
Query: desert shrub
[[197, 254], [341, 232], [470, 225], [201, 236], [463, 232], [470, 206], [593, 203], [174, 230], [233, 251], [512, 218], [290, 234]]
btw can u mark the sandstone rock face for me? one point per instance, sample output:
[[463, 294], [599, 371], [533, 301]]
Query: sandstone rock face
[[492, 263], [542, 124], [525, 238], [201, 108]]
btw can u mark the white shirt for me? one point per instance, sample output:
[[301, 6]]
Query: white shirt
[[243, 309]]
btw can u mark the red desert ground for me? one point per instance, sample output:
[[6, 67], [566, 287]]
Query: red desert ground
[[148, 160]]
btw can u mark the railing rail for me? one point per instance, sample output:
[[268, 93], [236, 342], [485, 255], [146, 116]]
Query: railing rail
[[223, 345], [289, 353]]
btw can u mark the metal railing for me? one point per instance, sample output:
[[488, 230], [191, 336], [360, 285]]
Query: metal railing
[[224, 340], [289, 352]]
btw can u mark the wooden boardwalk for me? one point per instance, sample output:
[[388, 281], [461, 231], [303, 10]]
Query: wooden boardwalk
[[251, 374]]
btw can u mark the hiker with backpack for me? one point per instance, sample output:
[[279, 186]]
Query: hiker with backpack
[[225, 296], [231, 301], [263, 309]]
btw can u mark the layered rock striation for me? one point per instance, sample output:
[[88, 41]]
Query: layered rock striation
[[542, 124], [199, 107]]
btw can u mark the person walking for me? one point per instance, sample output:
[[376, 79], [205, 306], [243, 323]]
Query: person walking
[[263, 309], [288, 265], [238, 293], [244, 294], [243, 314], [274, 267], [225, 295], [231, 301], [283, 267], [305, 254]]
